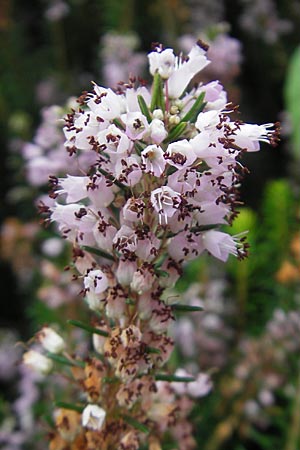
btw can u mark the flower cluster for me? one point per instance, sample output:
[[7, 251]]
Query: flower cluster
[[164, 169]]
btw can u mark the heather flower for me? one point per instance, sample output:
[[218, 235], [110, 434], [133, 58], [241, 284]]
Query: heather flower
[[93, 417], [37, 362], [50, 340], [153, 158], [219, 244]]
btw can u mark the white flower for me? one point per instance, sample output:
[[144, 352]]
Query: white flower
[[180, 154], [74, 187], [249, 135], [136, 125], [50, 340], [207, 120], [37, 362], [96, 281], [105, 103], [93, 417], [201, 386], [153, 158], [185, 70]]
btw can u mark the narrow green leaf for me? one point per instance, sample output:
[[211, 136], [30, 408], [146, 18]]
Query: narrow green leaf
[[173, 378], [176, 132], [152, 350], [118, 124], [99, 252], [162, 273], [144, 108], [139, 147], [86, 327], [197, 107], [186, 308], [157, 100], [136, 424], [111, 380], [112, 179], [200, 228], [71, 406], [129, 301], [63, 360]]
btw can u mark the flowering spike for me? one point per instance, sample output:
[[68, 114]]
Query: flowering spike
[[156, 183]]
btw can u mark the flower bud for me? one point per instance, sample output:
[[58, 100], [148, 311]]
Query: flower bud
[[93, 417], [37, 362], [50, 340]]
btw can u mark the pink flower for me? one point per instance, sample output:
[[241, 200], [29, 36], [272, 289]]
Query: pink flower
[[95, 281], [165, 201], [219, 244]]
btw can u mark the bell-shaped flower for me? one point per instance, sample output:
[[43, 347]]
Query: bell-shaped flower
[[147, 246], [142, 280], [114, 142], [132, 104], [219, 244], [85, 125], [37, 362], [75, 188], [133, 210], [185, 247], [105, 103], [248, 136], [115, 303], [128, 170], [95, 282], [136, 125], [125, 240], [50, 340], [208, 120], [165, 202], [153, 159], [185, 70], [125, 271], [93, 417], [201, 386], [131, 336], [99, 192], [180, 154]]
